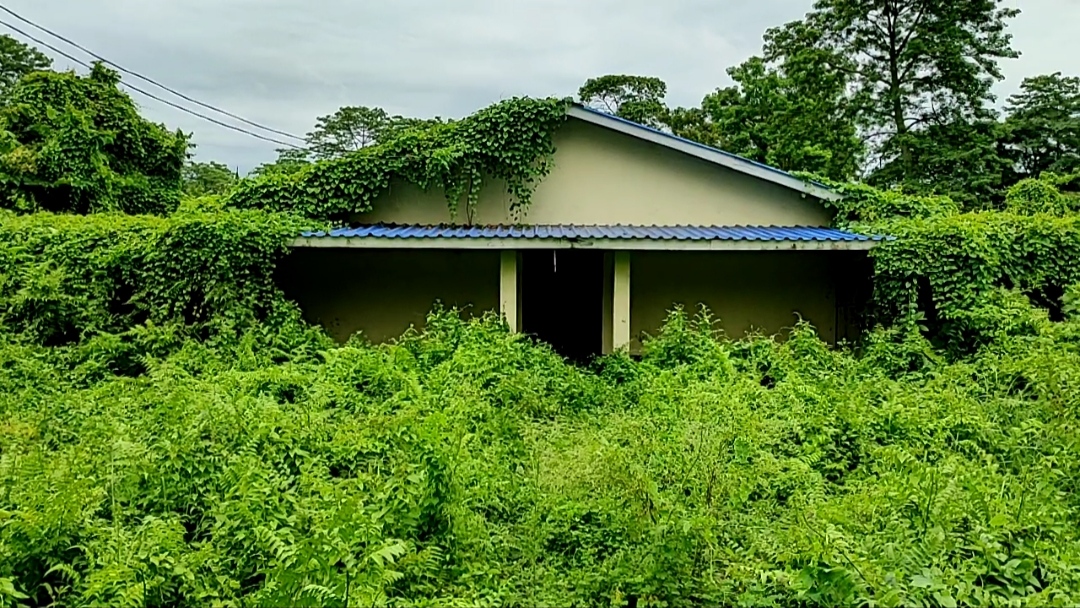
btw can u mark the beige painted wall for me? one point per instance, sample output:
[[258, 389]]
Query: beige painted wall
[[383, 292], [605, 177], [744, 290]]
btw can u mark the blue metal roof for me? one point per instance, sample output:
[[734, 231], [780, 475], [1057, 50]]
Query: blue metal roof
[[571, 232]]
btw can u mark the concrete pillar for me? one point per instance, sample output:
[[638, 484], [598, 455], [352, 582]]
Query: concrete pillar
[[508, 288], [620, 309]]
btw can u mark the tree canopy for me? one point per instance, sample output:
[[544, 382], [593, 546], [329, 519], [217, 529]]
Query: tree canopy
[[1042, 125], [208, 178], [792, 115], [912, 63], [17, 60], [77, 143], [636, 98]]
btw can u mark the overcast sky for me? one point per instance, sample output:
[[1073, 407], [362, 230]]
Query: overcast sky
[[284, 62]]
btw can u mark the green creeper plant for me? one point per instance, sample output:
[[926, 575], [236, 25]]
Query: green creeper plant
[[77, 144], [510, 141]]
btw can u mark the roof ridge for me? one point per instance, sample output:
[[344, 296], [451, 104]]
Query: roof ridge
[[705, 152]]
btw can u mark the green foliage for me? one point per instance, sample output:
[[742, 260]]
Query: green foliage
[[72, 143], [64, 279], [289, 161], [17, 60], [862, 204], [1042, 125], [467, 466], [947, 266], [510, 141], [636, 98], [354, 127], [349, 129], [1032, 196], [961, 159], [792, 116], [912, 63], [209, 178], [173, 434]]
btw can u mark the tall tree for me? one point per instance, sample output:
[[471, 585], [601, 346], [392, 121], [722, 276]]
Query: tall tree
[[793, 115], [962, 159], [347, 130], [912, 63], [352, 128], [18, 60], [201, 179], [636, 98], [1042, 126]]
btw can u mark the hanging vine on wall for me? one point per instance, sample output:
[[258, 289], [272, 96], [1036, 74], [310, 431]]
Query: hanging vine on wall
[[509, 141]]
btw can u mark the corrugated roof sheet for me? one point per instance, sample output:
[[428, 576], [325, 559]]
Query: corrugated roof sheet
[[571, 232]]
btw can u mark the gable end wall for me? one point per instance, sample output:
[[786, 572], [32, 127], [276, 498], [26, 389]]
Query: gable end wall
[[605, 177]]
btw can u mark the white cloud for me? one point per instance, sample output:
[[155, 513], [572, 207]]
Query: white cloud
[[284, 62]]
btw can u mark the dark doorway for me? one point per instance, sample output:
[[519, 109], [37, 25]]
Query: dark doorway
[[562, 300]]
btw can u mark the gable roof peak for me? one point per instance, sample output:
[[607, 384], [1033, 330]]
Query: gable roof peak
[[702, 151]]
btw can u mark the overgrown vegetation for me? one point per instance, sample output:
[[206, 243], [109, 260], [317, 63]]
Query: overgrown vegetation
[[468, 466], [172, 433], [77, 143], [509, 141]]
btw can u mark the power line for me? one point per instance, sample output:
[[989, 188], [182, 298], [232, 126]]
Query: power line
[[146, 78], [150, 95]]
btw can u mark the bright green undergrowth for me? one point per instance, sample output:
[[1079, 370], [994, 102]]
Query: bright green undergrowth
[[465, 465], [173, 434]]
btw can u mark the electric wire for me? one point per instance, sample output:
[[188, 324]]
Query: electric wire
[[146, 78]]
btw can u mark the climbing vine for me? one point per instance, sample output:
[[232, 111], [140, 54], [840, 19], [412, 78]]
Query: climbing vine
[[948, 271], [510, 141], [65, 277], [77, 144]]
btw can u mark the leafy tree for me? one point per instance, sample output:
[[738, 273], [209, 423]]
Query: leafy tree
[[961, 159], [912, 63], [352, 128], [693, 124], [289, 161], [18, 60], [793, 115], [347, 130], [1042, 126], [201, 179], [78, 144], [636, 98]]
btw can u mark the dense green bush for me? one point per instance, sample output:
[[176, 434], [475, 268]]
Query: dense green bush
[[945, 268], [71, 143], [66, 277], [465, 466]]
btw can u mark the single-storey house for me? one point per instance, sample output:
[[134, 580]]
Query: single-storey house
[[630, 222]]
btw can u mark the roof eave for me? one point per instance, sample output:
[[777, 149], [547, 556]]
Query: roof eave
[[622, 244], [703, 152]]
